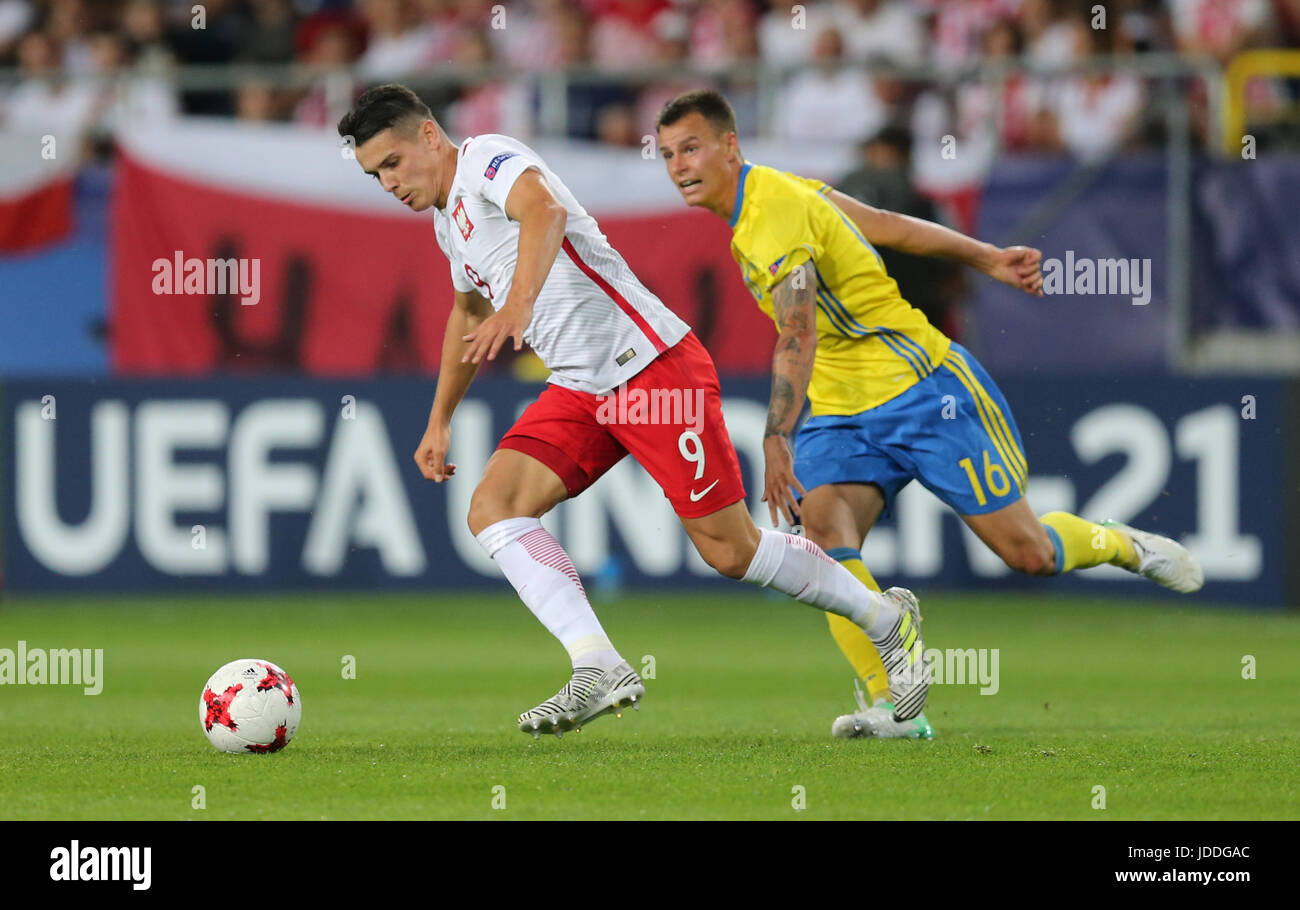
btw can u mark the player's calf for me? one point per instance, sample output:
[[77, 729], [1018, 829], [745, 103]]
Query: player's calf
[[1031, 557]]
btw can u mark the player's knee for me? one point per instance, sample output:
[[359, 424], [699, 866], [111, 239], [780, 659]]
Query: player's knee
[[1031, 558], [821, 533], [486, 508], [728, 558]]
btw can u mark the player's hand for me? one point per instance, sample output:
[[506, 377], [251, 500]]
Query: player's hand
[[1019, 266], [431, 456], [486, 340], [779, 478]]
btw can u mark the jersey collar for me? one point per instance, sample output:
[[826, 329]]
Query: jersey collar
[[740, 195], [455, 177]]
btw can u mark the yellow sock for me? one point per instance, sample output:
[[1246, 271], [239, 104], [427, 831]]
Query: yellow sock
[[855, 643], [1081, 544]]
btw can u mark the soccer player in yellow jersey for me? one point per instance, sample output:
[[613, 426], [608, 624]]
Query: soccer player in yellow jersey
[[893, 398]]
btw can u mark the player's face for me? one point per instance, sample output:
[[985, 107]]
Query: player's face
[[700, 161], [407, 165]]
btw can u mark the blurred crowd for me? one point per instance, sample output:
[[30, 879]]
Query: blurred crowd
[[480, 63]]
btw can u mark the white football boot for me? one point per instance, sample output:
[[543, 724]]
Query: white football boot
[[1164, 561], [903, 654], [878, 721], [589, 694]]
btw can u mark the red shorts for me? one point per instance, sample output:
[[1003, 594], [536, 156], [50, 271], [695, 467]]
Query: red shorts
[[668, 417]]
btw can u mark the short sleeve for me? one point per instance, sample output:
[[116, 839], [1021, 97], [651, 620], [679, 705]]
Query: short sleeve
[[459, 280], [787, 237], [812, 183], [494, 164]]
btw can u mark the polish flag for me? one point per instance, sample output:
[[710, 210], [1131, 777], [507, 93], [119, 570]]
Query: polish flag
[[36, 200]]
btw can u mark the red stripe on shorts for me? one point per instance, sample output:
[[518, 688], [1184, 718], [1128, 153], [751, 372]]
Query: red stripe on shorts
[[618, 298]]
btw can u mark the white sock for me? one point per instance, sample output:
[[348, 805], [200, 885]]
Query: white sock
[[798, 567], [535, 563]]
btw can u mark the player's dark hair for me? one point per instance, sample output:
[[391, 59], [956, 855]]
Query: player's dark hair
[[708, 103], [380, 108]]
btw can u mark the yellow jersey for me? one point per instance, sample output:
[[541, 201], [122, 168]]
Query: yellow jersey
[[871, 343]]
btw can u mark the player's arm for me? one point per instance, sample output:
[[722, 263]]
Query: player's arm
[[469, 311], [794, 305], [542, 220], [1018, 266]]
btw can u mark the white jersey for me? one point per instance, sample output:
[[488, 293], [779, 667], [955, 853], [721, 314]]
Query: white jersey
[[594, 324]]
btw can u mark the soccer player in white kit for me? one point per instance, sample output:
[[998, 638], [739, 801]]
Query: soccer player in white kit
[[528, 264]]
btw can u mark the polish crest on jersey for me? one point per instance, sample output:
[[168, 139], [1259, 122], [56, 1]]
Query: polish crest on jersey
[[462, 220], [491, 170]]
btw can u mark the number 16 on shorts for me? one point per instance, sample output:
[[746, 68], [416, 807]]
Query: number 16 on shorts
[[996, 482]]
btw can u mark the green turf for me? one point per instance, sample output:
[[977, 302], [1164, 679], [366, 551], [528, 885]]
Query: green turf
[[1143, 699]]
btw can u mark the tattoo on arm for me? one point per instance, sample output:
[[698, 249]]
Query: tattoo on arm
[[794, 303]]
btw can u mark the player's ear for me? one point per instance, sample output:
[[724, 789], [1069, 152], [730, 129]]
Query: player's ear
[[732, 142], [431, 135]]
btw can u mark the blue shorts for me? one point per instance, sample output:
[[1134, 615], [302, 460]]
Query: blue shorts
[[952, 431]]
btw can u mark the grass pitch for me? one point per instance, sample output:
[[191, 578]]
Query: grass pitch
[[1143, 699]]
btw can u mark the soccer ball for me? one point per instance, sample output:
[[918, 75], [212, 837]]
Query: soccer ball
[[250, 706]]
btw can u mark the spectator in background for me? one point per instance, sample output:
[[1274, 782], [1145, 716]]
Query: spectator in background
[[883, 179], [133, 98], [672, 30], [829, 102], [1097, 114], [16, 16], [952, 155], [1220, 28], [494, 106], [723, 33], [143, 25], [270, 40], [585, 99], [959, 28], [54, 104], [1145, 24], [1286, 19], [1051, 36], [257, 100], [785, 36], [1015, 105], [440, 23], [331, 41], [534, 36], [880, 30], [621, 35], [616, 126], [69, 24], [395, 46], [225, 28]]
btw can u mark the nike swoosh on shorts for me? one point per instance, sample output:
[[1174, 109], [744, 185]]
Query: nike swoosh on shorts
[[696, 497]]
